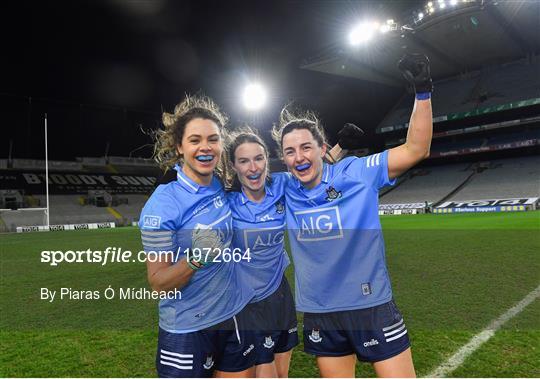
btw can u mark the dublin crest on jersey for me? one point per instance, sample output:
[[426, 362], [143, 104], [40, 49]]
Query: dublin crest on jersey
[[209, 362], [315, 336], [280, 207], [268, 342], [332, 194]]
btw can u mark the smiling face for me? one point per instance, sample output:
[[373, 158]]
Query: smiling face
[[303, 156], [201, 149], [250, 165]]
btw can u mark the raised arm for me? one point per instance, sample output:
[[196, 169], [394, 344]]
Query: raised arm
[[415, 68]]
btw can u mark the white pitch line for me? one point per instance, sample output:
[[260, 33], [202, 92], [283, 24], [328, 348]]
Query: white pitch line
[[459, 357]]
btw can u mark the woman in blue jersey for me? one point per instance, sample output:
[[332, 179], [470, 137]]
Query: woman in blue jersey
[[342, 283], [257, 201], [203, 332], [257, 204]]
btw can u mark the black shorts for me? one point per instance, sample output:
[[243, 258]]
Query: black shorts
[[274, 323], [373, 334], [228, 346]]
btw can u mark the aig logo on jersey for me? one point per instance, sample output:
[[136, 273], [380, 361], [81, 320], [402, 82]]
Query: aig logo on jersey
[[263, 238], [151, 222], [319, 224]]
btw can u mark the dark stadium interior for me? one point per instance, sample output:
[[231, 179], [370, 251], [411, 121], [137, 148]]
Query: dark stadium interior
[[103, 71]]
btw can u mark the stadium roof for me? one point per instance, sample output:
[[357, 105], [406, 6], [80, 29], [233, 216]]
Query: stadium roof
[[456, 39]]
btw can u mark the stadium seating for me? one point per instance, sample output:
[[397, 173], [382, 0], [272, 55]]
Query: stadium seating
[[429, 184], [506, 178], [489, 87], [131, 211]]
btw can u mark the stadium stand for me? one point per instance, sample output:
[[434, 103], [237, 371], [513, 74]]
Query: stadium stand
[[428, 184], [67, 209], [130, 212], [489, 87], [498, 179], [506, 178], [88, 190]]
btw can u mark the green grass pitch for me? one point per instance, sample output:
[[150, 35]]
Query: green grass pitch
[[451, 275]]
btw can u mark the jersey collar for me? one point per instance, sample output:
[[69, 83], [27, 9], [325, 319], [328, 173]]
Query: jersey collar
[[244, 199], [192, 186]]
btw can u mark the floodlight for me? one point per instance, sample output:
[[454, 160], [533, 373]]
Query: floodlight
[[362, 33], [254, 96], [420, 16]]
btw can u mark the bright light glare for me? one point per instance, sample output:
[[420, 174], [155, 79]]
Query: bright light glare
[[442, 5], [430, 4], [420, 16], [453, 2], [254, 96], [362, 33], [384, 28]]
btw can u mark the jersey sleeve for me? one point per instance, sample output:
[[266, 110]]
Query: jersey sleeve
[[159, 221], [372, 170]]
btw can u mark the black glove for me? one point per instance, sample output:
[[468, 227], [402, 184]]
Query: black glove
[[350, 137], [415, 69]]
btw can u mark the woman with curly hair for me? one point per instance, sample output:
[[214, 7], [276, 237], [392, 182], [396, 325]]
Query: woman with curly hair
[[186, 224]]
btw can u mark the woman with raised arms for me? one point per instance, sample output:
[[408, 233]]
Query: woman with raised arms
[[342, 283]]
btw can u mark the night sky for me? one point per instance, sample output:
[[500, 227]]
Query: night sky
[[103, 70]]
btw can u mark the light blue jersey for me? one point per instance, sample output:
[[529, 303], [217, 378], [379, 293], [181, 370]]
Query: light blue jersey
[[261, 228], [215, 292], [336, 237]]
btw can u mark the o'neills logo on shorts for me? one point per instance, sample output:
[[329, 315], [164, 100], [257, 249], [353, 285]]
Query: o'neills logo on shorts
[[250, 348], [373, 342]]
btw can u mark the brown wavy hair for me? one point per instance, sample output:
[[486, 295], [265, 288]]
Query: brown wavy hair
[[291, 118], [174, 124]]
